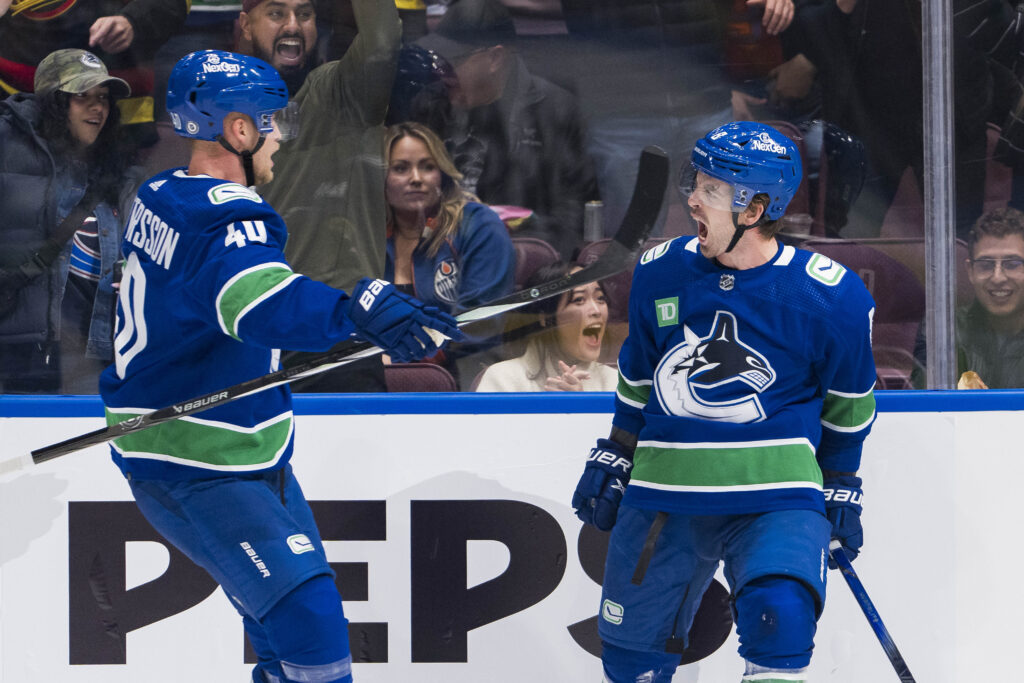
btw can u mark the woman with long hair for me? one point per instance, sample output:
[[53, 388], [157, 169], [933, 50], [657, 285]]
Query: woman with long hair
[[62, 189], [565, 354], [444, 246]]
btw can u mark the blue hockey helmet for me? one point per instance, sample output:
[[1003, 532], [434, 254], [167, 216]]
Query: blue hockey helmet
[[206, 86], [753, 158]]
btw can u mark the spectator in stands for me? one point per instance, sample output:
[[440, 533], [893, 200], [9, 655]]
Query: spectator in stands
[[867, 58], [329, 185], [990, 330], [125, 40], [517, 139], [656, 72], [62, 192], [565, 355], [444, 247], [452, 251]]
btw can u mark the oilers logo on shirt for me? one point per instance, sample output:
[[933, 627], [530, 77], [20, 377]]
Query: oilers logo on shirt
[[715, 376], [446, 281]]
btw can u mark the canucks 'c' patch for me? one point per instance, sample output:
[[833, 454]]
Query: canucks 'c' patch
[[228, 192], [825, 270], [656, 251]]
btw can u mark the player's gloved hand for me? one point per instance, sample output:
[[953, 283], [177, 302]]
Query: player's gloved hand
[[395, 321], [843, 497], [597, 497]]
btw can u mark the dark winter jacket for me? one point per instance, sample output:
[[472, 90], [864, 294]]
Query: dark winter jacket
[[37, 192], [531, 154]]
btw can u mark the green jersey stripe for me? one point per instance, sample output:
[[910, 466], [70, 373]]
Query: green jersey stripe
[[848, 412], [208, 444], [633, 394], [246, 289], [763, 464]]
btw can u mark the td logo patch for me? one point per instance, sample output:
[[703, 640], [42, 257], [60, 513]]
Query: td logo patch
[[667, 310], [612, 612]]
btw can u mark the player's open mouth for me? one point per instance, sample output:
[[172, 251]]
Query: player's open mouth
[[289, 49], [702, 230]]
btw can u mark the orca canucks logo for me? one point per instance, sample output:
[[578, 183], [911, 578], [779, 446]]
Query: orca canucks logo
[[718, 364]]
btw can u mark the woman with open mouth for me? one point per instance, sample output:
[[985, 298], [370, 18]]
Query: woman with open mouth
[[565, 354]]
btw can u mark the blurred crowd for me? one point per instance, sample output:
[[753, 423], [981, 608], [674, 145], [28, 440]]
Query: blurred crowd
[[467, 149]]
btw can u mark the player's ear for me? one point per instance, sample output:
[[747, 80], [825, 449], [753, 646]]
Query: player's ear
[[239, 131], [753, 212]]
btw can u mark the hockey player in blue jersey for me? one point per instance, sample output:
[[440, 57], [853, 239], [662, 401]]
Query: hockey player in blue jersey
[[205, 300], [744, 397]]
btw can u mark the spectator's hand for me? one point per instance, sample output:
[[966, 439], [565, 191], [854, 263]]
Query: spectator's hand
[[570, 379], [597, 496], [112, 34], [843, 497], [743, 106], [4, 6], [792, 79], [778, 14]]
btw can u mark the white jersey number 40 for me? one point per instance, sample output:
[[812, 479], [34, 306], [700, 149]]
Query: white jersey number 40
[[132, 336], [254, 231]]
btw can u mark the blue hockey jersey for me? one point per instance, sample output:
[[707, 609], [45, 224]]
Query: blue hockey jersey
[[742, 385], [205, 301]]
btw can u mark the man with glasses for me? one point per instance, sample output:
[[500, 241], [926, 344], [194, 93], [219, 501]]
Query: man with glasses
[[990, 331]]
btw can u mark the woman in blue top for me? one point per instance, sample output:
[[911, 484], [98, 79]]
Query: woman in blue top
[[444, 247]]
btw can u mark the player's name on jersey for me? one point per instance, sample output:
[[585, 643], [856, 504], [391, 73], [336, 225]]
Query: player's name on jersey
[[150, 233]]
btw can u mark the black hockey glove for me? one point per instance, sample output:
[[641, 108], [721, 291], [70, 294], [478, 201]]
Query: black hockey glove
[[843, 497], [597, 497], [395, 321]]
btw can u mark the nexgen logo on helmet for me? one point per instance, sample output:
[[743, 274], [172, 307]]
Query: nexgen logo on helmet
[[206, 86], [764, 143], [753, 159]]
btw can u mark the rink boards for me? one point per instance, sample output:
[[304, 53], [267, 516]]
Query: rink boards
[[447, 518]]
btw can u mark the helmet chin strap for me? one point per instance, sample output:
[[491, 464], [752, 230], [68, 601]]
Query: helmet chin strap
[[740, 229], [246, 155]]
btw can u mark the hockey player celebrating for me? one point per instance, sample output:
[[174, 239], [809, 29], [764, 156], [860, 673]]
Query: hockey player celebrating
[[206, 299], [744, 396]]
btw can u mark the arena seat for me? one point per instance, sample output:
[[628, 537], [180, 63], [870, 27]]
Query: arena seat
[[427, 377], [532, 253]]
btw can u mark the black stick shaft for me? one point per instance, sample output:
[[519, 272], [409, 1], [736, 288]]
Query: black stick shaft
[[868, 607]]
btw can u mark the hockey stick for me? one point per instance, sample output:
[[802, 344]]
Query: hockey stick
[[643, 210], [861, 595]]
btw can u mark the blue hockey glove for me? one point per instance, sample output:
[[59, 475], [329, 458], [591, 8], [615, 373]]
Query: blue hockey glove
[[395, 321], [843, 497], [597, 497]]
